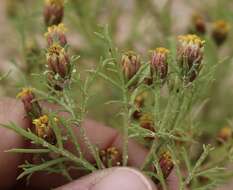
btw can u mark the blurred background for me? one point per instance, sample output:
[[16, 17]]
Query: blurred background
[[138, 25]]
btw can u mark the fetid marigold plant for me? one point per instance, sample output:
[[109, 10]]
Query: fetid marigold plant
[[158, 100]]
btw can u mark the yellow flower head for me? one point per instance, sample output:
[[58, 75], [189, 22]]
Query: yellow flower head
[[146, 121], [110, 157], [221, 26], [166, 155], [42, 127], [41, 122], [56, 29], [225, 134], [191, 39], [162, 50], [55, 2], [166, 163], [24, 93], [55, 49]]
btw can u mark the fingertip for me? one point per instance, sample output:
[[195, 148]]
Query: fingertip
[[123, 178]]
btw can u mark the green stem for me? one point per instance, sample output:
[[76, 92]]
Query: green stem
[[125, 128], [156, 116], [38, 140]]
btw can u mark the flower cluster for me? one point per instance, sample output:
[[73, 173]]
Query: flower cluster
[[219, 29], [189, 56], [58, 60], [34, 112]]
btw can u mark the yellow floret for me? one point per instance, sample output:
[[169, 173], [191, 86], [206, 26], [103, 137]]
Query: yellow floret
[[60, 28], [221, 25], [191, 39], [24, 92], [162, 50], [55, 2]]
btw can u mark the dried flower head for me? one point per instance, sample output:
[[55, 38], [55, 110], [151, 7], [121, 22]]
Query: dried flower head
[[58, 60], [220, 31], [199, 23], [56, 35], [225, 134], [31, 105], [166, 163], [43, 128], [110, 157], [130, 63], [53, 12], [159, 62], [190, 55]]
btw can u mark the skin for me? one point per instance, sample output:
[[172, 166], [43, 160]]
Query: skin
[[124, 178]]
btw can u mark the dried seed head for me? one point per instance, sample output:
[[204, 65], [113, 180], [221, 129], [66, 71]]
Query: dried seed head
[[43, 129], [190, 55], [146, 121], [225, 134], [130, 63], [220, 31], [53, 12], [159, 62], [56, 35], [166, 164], [58, 61], [31, 105], [110, 157], [199, 23]]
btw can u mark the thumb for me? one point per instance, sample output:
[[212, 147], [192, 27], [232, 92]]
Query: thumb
[[123, 178]]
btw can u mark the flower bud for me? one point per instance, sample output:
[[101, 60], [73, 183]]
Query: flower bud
[[110, 157], [56, 35], [159, 62], [53, 12], [166, 164], [31, 105], [43, 129], [130, 63], [220, 31], [190, 55], [225, 134], [199, 24], [58, 61]]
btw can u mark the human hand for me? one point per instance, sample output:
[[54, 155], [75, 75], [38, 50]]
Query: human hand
[[124, 178]]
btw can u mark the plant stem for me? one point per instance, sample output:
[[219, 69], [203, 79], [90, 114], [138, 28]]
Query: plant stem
[[125, 128]]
